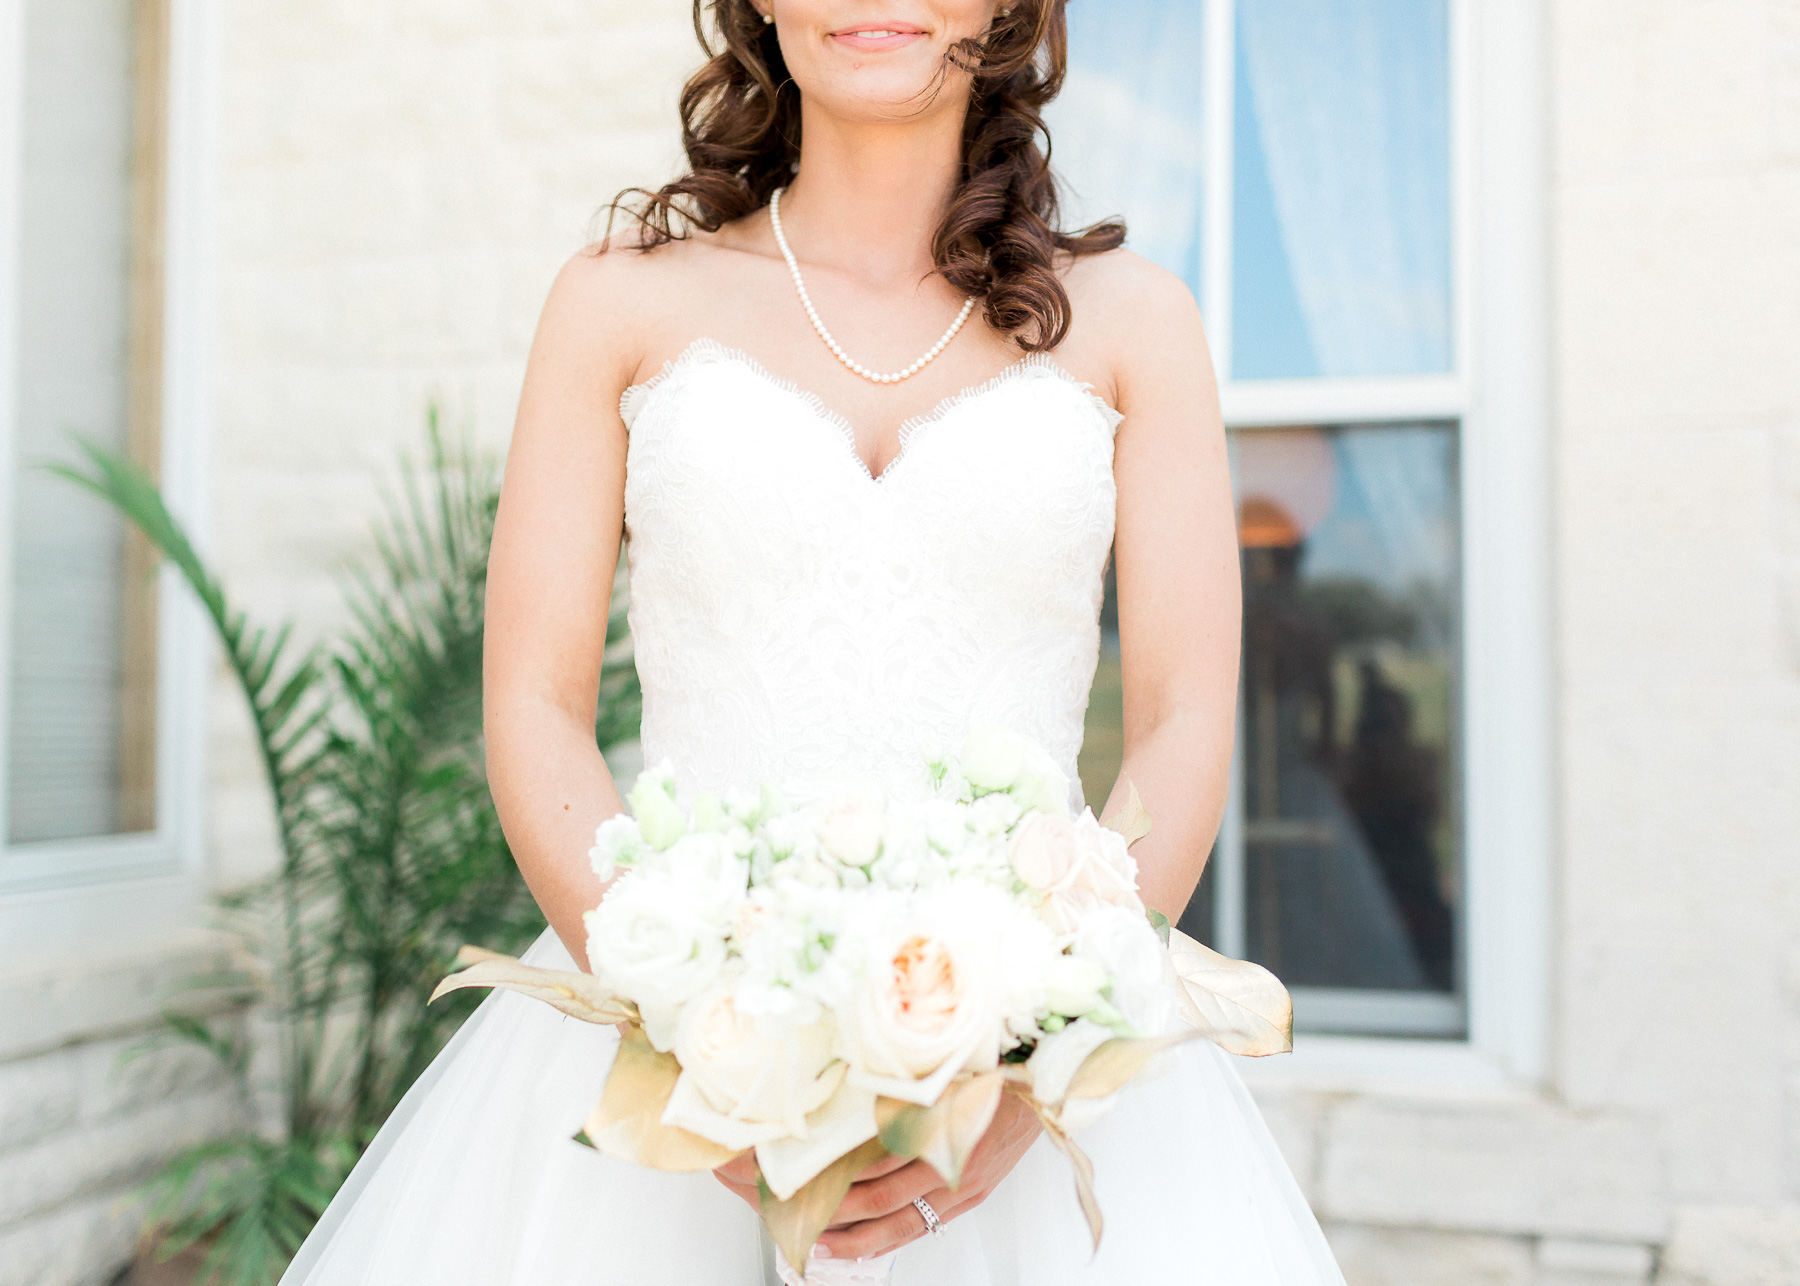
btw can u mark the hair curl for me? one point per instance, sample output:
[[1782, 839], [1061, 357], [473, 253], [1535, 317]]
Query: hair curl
[[999, 238]]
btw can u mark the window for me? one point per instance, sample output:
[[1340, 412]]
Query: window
[[1299, 165], [99, 691]]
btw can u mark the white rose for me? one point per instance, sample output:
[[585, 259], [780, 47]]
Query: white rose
[[931, 997], [1075, 866], [1122, 942], [851, 822], [646, 942], [743, 1081], [707, 870], [653, 803]]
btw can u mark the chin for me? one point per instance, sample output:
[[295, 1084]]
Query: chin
[[880, 78], [891, 93]]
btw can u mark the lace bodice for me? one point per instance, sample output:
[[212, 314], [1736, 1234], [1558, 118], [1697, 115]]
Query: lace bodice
[[799, 621]]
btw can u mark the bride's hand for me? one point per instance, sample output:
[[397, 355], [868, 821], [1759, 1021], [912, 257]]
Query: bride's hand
[[739, 1175], [879, 1215]]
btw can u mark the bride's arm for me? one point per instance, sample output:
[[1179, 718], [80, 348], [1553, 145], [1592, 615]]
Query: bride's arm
[[1179, 590], [550, 577]]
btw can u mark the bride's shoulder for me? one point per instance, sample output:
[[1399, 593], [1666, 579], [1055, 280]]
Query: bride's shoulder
[[622, 295], [1131, 319], [1119, 285]]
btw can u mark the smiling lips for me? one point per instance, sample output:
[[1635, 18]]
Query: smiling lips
[[872, 37]]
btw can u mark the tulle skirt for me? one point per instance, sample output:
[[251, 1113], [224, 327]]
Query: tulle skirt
[[475, 1181]]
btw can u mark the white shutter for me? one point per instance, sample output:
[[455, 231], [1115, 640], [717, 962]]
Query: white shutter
[[68, 597]]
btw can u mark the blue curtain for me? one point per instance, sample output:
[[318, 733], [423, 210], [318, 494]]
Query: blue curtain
[[1342, 244], [1128, 130]]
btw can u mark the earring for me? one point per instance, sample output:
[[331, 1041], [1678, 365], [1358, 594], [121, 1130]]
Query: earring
[[768, 20]]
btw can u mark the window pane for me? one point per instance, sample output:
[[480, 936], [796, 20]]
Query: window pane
[[79, 729], [1127, 128], [1341, 254], [1349, 731]]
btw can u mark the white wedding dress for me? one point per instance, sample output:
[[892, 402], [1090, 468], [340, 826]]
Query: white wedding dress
[[797, 620]]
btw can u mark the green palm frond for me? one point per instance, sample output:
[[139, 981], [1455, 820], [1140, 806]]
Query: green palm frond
[[392, 854], [250, 1199]]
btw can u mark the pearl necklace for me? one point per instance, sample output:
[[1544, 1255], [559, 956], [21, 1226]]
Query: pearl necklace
[[818, 325]]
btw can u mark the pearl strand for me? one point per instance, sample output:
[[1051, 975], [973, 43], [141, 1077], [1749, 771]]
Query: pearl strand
[[818, 324]]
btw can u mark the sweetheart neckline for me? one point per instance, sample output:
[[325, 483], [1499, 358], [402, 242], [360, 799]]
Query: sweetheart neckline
[[636, 397]]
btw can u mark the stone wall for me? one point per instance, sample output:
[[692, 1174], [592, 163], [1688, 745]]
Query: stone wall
[[1677, 347], [401, 182], [88, 1111]]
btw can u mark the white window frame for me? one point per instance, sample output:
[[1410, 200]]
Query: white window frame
[[1499, 395], [69, 896]]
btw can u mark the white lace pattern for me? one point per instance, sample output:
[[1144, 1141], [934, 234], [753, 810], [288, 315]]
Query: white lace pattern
[[798, 620]]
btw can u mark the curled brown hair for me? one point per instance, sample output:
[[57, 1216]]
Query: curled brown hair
[[999, 239]]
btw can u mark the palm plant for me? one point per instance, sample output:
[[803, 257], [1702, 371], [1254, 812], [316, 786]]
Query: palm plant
[[391, 853]]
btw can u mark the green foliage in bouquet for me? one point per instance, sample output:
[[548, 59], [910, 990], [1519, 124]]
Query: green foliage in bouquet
[[391, 853]]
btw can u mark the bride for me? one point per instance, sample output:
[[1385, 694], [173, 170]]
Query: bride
[[870, 426]]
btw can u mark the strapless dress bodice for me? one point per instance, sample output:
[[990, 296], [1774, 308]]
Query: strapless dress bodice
[[799, 621]]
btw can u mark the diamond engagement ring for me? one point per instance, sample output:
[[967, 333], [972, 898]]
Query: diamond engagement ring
[[933, 1224]]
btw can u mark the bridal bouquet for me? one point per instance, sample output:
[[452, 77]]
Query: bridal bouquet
[[831, 983]]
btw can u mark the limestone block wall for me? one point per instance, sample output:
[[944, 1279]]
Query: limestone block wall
[[400, 183], [87, 1112], [1677, 349]]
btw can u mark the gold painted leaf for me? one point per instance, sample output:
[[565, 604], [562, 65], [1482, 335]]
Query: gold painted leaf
[[1133, 819], [1241, 1007], [1078, 1161], [795, 1224], [579, 995], [1108, 1069], [944, 1134], [627, 1122]]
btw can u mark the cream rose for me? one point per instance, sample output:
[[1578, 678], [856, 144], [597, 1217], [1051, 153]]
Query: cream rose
[[1076, 867], [935, 991], [744, 1081]]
